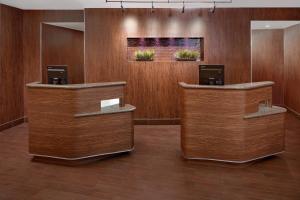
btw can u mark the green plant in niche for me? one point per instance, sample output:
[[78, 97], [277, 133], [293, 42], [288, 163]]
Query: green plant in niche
[[187, 55], [144, 55]]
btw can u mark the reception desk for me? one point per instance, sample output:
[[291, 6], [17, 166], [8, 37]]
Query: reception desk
[[232, 123], [67, 123]]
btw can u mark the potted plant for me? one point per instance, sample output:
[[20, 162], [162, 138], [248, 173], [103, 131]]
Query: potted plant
[[144, 55], [187, 55]]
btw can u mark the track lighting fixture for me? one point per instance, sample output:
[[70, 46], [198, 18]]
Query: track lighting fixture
[[152, 7], [170, 1], [213, 9], [122, 7]]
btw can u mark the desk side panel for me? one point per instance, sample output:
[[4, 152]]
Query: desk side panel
[[55, 131], [103, 134], [50, 116], [256, 96], [212, 123], [88, 100], [264, 136]]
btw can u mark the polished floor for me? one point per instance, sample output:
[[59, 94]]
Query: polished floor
[[155, 170]]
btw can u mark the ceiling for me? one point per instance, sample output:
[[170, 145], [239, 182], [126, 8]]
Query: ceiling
[[255, 25], [81, 4], [79, 26]]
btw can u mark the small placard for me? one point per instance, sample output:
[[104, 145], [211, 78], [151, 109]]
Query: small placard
[[109, 102]]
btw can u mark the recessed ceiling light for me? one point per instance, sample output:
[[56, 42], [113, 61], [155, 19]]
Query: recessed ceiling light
[[268, 26]]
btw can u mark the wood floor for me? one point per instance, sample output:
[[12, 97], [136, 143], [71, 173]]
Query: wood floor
[[155, 170]]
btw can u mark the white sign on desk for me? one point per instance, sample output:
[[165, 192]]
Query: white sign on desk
[[109, 102]]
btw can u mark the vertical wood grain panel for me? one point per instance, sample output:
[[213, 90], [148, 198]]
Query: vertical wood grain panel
[[152, 86], [290, 56], [228, 42], [275, 14], [11, 68], [32, 20], [268, 60], [292, 67], [226, 38], [63, 46], [31, 32]]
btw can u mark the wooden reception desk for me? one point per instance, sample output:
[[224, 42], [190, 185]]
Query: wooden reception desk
[[231, 123], [66, 122]]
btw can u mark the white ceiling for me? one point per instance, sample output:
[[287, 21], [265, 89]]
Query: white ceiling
[[272, 24], [79, 26], [81, 4], [255, 25]]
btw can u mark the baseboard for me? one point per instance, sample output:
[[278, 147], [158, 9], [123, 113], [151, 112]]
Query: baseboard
[[293, 111], [172, 121], [12, 123]]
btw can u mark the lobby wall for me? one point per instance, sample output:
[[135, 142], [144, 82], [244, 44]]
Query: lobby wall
[[275, 57], [63, 46], [153, 86], [32, 20], [11, 68], [268, 60], [292, 68]]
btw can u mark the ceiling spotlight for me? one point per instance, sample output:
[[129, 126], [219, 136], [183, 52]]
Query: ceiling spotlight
[[268, 26], [152, 8], [122, 7], [183, 7], [213, 9]]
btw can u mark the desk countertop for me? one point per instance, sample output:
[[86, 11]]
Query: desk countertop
[[108, 110], [241, 86], [265, 111], [75, 86]]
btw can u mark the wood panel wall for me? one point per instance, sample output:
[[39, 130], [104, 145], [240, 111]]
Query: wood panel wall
[[275, 56], [11, 68], [63, 46], [292, 67], [268, 60], [32, 20], [153, 86], [278, 14]]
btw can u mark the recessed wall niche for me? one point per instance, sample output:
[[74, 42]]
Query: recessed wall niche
[[164, 48]]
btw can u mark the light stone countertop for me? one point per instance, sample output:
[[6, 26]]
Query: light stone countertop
[[109, 110], [240, 86], [265, 111], [75, 86]]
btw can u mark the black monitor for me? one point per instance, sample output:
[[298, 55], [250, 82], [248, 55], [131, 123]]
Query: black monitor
[[211, 74], [57, 74]]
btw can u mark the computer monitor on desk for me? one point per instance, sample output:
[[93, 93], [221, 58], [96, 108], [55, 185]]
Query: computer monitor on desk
[[211, 74], [57, 74]]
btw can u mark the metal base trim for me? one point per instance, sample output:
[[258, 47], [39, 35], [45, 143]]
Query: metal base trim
[[232, 161], [81, 158]]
